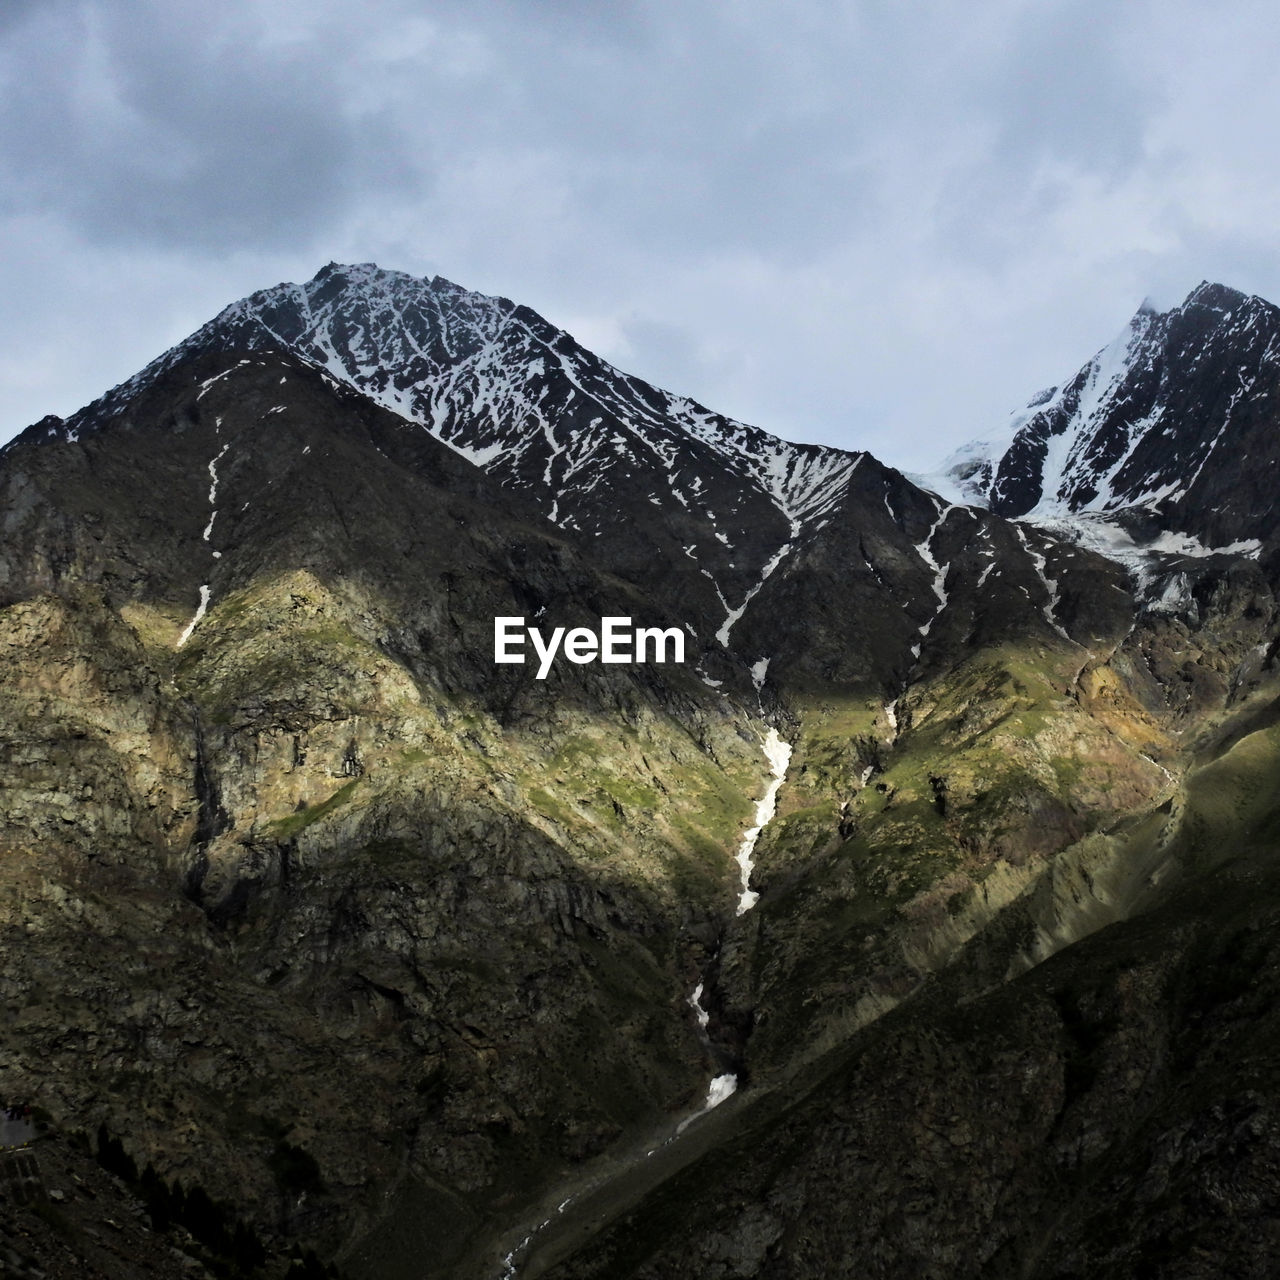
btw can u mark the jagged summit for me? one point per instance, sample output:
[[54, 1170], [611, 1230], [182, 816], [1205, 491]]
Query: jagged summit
[[664, 490], [767, 552], [661, 485], [516, 395], [1170, 426]]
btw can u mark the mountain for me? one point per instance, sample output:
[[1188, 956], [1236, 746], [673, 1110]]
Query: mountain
[[420, 961], [656, 489], [589, 445], [1171, 425]]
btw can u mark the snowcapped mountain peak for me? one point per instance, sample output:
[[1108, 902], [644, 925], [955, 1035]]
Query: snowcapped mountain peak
[[519, 397], [590, 446], [1214, 297], [1166, 438], [1146, 421]]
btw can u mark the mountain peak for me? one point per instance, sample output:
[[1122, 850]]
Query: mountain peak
[[1171, 421], [1217, 297], [518, 397]]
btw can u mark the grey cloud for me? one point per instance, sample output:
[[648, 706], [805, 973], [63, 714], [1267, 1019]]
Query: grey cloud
[[15, 12], [670, 347], [701, 135], [862, 221], [1069, 93], [177, 138]]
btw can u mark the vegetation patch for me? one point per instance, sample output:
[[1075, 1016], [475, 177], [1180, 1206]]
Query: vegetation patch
[[288, 827]]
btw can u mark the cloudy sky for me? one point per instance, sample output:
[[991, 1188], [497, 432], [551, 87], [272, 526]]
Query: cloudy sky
[[873, 224]]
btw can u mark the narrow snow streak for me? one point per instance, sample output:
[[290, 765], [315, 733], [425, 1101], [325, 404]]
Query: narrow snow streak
[[1050, 584], [200, 612], [1066, 447], [208, 531], [213, 489], [1241, 390], [725, 1085], [939, 575], [208, 382], [734, 614], [778, 753], [695, 1003]]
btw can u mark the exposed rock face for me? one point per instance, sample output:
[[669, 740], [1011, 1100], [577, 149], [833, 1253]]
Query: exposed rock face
[[708, 501], [377, 895], [392, 947]]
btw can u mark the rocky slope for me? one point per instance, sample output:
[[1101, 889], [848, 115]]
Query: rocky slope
[[357, 869], [737, 532], [1111, 1114], [393, 948]]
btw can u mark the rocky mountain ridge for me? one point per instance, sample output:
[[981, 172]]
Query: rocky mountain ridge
[[521, 399]]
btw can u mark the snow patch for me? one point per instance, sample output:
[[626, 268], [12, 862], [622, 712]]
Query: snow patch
[[734, 614], [939, 583], [758, 672], [481, 455], [1050, 584], [695, 1002], [778, 753], [206, 535], [1145, 562], [718, 1090], [200, 612]]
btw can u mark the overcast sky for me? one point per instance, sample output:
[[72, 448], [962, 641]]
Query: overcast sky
[[873, 224]]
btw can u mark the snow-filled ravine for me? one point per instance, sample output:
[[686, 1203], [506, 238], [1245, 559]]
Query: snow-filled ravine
[[725, 1085], [778, 753]]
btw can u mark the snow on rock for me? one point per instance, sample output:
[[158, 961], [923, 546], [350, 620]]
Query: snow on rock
[[778, 753], [1068, 448], [204, 386], [1050, 584], [520, 398], [758, 672], [1174, 595], [1140, 423], [734, 614], [695, 1002], [939, 583], [213, 490], [200, 612], [203, 606], [721, 1088], [1157, 431], [1149, 562]]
